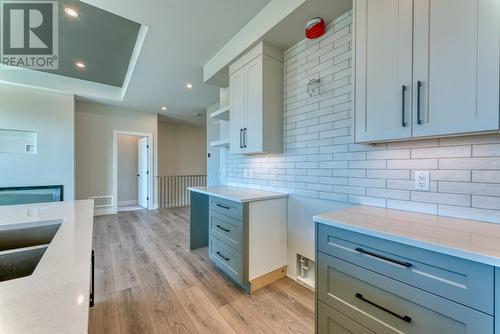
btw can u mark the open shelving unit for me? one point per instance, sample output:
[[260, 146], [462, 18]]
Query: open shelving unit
[[221, 117]]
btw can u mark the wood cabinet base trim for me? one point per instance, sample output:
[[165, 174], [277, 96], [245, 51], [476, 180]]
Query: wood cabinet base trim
[[267, 279]]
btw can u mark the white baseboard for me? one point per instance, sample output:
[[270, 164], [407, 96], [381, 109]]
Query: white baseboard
[[155, 206], [126, 203], [104, 211]]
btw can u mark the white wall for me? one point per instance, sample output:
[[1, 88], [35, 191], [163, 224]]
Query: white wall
[[94, 144], [127, 169], [181, 149], [51, 116], [322, 164]]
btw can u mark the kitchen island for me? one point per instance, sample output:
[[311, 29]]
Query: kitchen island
[[55, 297], [245, 231]]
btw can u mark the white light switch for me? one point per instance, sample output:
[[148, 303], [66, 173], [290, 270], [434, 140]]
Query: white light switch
[[422, 181]]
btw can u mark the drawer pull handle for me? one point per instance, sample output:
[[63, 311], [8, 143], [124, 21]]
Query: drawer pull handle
[[419, 86], [222, 256], [223, 206], [405, 318], [401, 263], [403, 93], [222, 228]]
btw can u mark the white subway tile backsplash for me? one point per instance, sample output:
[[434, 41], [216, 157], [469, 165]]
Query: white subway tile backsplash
[[492, 150], [321, 160], [388, 193], [486, 202], [412, 206], [489, 189], [389, 154], [441, 198], [441, 152], [486, 176], [413, 164], [388, 174], [470, 163]]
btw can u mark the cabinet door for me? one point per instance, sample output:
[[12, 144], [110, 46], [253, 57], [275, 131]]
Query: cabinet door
[[253, 125], [383, 66], [456, 54], [237, 113]]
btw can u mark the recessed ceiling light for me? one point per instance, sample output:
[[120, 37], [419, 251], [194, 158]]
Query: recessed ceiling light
[[189, 86], [163, 108], [71, 12], [80, 64]]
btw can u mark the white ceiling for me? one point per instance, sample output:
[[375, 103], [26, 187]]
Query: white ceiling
[[182, 36], [177, 38]]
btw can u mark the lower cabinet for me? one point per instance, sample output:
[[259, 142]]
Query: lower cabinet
[[248, 241], [357, 297]]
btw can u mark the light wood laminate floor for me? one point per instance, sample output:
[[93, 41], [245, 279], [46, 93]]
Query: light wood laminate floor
[[147, 281]]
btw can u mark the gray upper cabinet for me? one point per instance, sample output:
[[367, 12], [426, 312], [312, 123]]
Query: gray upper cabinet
[[426, 68], [256, 81]]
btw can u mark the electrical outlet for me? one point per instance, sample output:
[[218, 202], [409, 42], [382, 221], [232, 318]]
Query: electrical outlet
[[422, 181]]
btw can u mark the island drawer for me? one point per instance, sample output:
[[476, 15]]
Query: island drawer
[[388, 306], [228, 259], [226, 207], [226, 229], [331, 321], [466, 282]]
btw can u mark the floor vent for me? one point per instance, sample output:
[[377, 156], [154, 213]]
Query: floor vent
[[102, 201]]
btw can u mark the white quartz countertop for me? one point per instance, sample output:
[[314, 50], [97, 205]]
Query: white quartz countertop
[[55, 298], [467, 239], [238, 194]]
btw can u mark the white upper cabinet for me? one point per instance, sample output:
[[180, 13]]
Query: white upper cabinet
[[237, 114], [445, 53], [456, 62], [256, 81], [383, 69]]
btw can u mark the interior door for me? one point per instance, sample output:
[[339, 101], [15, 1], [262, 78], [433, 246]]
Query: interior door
[[383, 70], [456, 63], [237, 118], [142, 173], [253, 87]]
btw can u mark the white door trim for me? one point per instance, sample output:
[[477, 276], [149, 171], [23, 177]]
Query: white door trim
[[151, 174]]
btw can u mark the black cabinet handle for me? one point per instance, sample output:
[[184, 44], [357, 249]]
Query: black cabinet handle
[[241, 140], [419, 86], [405, 318], [222, 228], [245, 137], [223, 206], [401, 263], [403, 93], [222, 256], [92, 261]]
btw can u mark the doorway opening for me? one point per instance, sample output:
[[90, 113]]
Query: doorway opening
[[132, 171]]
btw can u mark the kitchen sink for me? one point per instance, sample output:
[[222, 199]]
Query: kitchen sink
[[37, 234], [23, 246], [20, 262]]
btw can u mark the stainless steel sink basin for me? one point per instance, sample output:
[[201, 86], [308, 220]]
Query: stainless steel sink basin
[[20, 263], [22, 247], [37, 234]]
